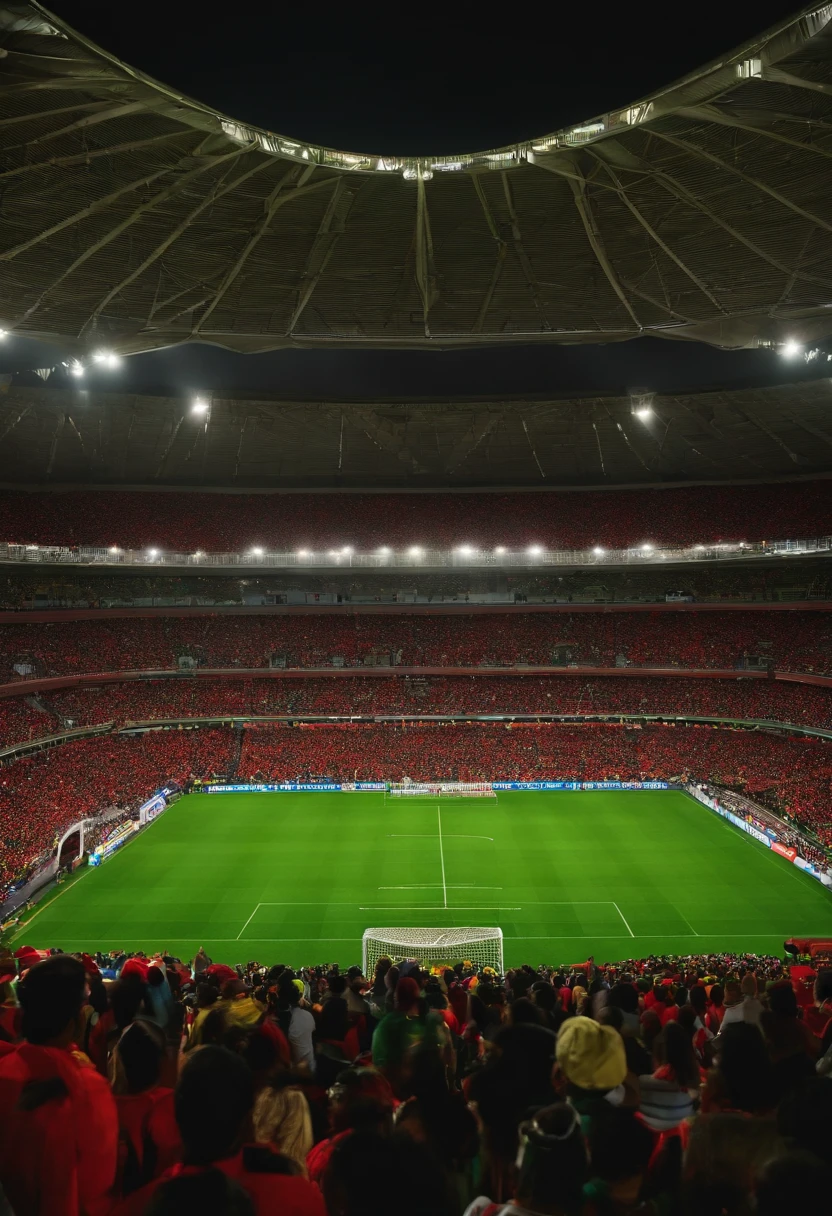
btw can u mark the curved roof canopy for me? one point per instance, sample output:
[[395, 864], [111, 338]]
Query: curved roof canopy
[[135, 218], [62, 436]]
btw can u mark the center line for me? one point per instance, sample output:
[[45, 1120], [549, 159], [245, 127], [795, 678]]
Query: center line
[[442, 856]]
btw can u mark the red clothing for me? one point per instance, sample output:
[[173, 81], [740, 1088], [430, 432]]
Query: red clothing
[[288, 1195], [58, 1159], [817, 1018], [318, 1158], [451, 1020], [667, 1013], [149, 1140]]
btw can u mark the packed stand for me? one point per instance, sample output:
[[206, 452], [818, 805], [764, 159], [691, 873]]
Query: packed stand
[[751, 582], [789, 641], [232, 523], [689, 1086], [44, 794], [144, 700]]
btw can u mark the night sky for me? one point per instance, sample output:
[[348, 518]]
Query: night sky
[[420, 79]]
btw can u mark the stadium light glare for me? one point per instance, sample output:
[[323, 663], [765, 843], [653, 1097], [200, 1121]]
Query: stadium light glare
[[791, 349], [76, 368], [415, 551], [106, 358], [303, 553], [645, 548], [466, 550], [4, 333], [384, 549], [199, 406], [153, 553], [257, 551], [535, 550], [500, 549], [198, 553], [114, 549], [644, 413], [347, 549], [699, 546], [333, 553], [597, 550]]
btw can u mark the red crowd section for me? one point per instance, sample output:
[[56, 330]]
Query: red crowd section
[[185, 522], [41, 795], [794, 641], [798, 704]]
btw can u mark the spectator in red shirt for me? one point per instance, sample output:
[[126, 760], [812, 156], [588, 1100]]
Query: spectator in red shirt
[[214, 1100], [58, 1123]]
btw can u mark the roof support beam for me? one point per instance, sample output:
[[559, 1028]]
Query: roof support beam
[[425, 267], [797, 82], [579, 193], [329, 233], [523, 257], [162, 196], [725, 119], [82, 158], [173, 236], [499, 261], [92, 120], [271, 206], [653, 234], [686, 146], [387, 435], [482, 426]]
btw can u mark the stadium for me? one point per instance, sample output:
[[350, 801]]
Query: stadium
[[437, 785]]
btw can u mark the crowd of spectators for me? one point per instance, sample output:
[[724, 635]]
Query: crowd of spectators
[[760, 699], [695, 1086], [43, 794], [233, 523], [789, 641], [772, 580]]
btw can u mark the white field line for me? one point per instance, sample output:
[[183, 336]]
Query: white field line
[[623, 917], [248, 922], [685, 919], [429, 886], [442, 855]]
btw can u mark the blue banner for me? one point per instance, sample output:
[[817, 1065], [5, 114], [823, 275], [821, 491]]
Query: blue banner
[[580, 785], [286, 787]]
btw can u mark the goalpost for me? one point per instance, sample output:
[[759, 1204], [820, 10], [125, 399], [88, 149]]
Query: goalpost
[[429, 791], [481, 946]]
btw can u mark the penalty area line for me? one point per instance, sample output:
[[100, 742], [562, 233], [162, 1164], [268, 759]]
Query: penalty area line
[[623, 917]]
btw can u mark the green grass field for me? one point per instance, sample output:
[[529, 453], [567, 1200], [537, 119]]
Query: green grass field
[[297, 878]]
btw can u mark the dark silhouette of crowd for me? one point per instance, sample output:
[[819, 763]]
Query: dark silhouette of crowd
[[695, 1086], [233, 523], [790, 640]]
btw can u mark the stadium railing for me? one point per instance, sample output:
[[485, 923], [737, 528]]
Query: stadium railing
[[414, 559]]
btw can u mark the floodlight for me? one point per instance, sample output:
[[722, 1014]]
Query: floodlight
[[347, 549], [790, 349], [4, 333], [500, 549], [597, 550], [535, 550], [199, 406], [644, 413], [114, 549], [303, 553], [645, 548], [76, 368], [153, 552], [414, 551], [257, 552]]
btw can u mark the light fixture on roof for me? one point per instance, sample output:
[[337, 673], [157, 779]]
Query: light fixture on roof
[[646, 548], [114, 549], [4, 333], [76, 368], [198, 553], [597, 550], [791, 349], [303, 553], [199, 406], [465, 550], [384, 550], [641, 404], [699, 546], [106, 358], [153, 552], [500, 549], [257, 551], [535, 550], [347, 549], [415, 551]]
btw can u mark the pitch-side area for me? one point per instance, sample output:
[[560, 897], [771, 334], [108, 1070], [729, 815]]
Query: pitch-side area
[[297, 878]]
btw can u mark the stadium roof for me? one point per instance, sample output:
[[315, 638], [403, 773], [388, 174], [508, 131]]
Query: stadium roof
[[136, 218], [57, 436]]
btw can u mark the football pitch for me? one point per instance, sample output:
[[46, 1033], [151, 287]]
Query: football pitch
[[298, 877]]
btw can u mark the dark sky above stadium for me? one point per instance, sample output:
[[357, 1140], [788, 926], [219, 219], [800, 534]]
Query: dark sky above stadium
[[436, 78]]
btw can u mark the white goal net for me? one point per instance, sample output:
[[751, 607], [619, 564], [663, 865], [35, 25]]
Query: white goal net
[[481, 946]]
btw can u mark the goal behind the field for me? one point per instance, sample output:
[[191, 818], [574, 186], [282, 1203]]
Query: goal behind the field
[[484, 947], [444, 791]]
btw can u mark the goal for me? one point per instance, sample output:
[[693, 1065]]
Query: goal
[[482, 946], [443, 790]]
